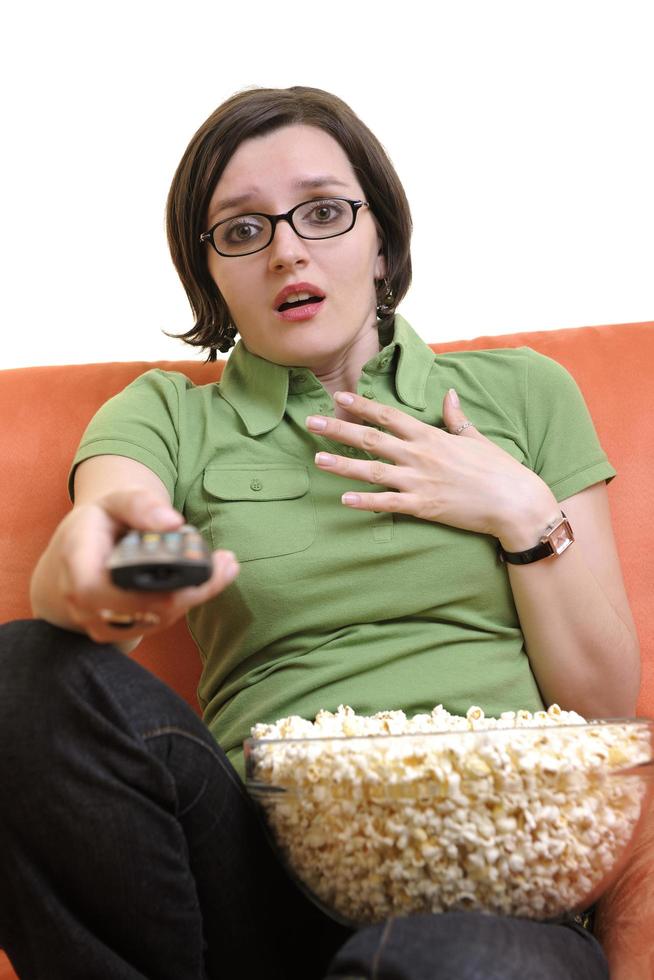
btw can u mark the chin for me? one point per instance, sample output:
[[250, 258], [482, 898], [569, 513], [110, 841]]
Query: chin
[[304, 340]]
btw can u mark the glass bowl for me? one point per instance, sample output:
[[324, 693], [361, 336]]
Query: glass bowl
[[533, 821]]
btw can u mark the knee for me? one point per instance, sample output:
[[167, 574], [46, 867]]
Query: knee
[[28, 646], [35, 661], [468, 945]]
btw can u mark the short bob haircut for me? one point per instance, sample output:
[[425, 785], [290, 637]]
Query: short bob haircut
[[255, 112]]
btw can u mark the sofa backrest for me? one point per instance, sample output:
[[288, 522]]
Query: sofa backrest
[[44, 411]]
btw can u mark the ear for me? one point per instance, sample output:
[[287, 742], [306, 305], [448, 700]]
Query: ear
[[380, 264]]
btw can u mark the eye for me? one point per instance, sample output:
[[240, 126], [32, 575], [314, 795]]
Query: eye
[[241, 230], [324, 212]]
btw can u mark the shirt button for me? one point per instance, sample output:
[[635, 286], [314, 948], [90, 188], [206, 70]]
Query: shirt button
[[323, 406], [256, 485], [368, 394]]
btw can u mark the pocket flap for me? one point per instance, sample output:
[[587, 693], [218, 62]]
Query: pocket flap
[[256, 483]]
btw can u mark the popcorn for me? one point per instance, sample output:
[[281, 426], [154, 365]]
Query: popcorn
[[503, 819]]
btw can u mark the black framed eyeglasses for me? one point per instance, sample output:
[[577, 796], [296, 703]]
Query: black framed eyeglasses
[[326, 217]]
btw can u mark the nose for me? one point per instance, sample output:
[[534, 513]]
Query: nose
[[287, 248]]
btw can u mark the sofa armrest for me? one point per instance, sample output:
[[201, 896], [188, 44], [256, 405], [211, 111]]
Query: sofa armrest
[[625, 913]]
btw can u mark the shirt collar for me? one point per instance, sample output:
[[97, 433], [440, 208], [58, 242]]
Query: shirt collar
[[258, 389]]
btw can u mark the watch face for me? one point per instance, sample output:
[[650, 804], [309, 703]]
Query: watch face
[[561, 537]]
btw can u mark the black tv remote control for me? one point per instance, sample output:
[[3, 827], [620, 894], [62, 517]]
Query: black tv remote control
[[158, 561]]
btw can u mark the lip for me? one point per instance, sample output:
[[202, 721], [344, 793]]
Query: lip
[[296, 313], [296, 287]]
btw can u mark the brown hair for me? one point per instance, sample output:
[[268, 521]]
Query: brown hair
[[255, 112]]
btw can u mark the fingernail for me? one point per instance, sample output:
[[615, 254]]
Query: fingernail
[[150, 618], [230, 571], [164, 514], [351, 498], [316, 423], [326, 459], [454, 398], [343, 398]]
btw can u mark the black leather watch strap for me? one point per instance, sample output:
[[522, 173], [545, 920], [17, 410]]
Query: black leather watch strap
[[555, 541], [544, 550]]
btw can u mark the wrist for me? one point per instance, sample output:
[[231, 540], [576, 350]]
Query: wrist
[[528, 521]]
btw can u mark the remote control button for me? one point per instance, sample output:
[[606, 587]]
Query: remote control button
[[131, 540]]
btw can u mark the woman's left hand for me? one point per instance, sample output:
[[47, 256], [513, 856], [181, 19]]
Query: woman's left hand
[[463, 480]]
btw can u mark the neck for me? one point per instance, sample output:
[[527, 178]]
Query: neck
[[344, 371]]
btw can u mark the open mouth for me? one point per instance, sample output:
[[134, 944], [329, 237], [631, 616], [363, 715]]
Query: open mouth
[[299, 302]]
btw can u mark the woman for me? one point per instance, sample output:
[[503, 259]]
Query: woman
[[356, 512]]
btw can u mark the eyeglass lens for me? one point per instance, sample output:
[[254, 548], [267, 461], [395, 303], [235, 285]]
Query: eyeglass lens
[[314, 219]]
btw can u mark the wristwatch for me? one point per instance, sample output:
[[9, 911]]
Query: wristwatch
[[556, 539]]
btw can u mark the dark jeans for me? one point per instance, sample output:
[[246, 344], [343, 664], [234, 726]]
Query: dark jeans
[[130, 849]]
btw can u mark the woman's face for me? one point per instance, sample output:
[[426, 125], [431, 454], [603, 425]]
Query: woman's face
[[343, 268]]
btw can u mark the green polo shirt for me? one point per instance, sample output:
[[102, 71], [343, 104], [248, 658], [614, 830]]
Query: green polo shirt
[[335, 605]]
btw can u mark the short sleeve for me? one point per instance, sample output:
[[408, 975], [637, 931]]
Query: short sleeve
[[142, 423], [563, 446]]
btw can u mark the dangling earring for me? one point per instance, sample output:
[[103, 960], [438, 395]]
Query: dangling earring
[[385, 305], [226, 340]]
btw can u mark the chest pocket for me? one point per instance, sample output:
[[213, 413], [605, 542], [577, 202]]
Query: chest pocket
[[260, 512]]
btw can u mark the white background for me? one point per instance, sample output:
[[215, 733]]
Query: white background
[[522, 132]]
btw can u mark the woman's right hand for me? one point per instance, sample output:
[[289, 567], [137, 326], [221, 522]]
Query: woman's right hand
[[71, 586]]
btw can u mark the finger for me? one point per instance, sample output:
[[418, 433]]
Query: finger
[[455, 419], [141, 619], [102, 632], [364, 437], [141, 509], [392, 419], [107, 630], [225, 570], [109, 608], [384, 502], [104, 624], [368, 471]]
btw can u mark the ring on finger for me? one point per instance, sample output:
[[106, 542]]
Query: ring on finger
[[465, 425], [125, 621]]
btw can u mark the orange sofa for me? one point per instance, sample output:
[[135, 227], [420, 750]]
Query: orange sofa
[[45, 409]]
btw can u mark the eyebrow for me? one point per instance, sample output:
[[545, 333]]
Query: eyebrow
[[305, 183]]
